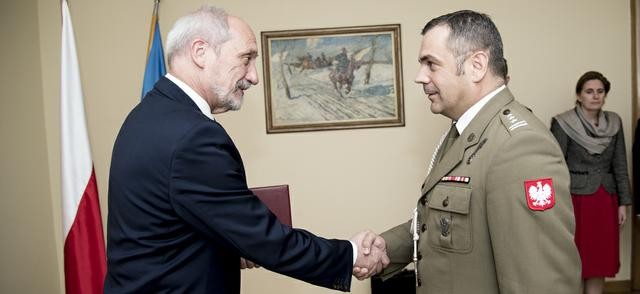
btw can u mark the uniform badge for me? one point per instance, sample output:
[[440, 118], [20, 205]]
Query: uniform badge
[[456, 179], [540, 194]]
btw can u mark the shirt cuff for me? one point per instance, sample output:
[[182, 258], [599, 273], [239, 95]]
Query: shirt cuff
[[355, 252]]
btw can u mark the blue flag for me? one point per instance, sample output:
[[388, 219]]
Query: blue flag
[[155, 56]]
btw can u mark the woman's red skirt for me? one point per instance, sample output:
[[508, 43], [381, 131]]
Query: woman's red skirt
[[597, 233]]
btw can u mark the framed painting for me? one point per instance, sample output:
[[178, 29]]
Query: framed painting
[[333, 78]]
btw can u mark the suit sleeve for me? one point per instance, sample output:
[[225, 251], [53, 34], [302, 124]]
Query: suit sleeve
[[209, 191], [399, 248], [534, 251], [620, 171]]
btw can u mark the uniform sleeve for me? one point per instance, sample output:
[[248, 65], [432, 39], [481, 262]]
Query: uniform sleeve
[[399, 248], [209, 191], [560, 135], [619, 168], [534, 251]]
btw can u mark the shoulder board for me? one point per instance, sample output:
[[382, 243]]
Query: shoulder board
[[512, 120]]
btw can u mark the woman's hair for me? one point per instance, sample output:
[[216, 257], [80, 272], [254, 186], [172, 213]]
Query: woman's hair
[[592, 75]]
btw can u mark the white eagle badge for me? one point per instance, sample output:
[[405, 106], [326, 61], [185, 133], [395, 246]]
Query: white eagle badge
[[540, 194]]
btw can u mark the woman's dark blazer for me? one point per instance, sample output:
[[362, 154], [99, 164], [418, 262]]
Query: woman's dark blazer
[[589, 171]]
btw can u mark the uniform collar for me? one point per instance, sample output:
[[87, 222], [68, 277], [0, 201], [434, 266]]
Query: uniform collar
[[197, 99], [471, 137], [468, 115]]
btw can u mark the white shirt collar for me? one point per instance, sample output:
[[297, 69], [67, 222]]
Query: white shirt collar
[[197, 99], [468, 115]]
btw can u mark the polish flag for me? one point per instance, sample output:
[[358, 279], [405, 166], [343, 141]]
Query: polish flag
[[84, 255]]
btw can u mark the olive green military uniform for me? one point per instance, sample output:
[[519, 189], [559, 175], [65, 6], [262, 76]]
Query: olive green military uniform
[[482, 236]]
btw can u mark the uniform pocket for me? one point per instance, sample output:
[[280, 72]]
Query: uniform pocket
[[448, 221]]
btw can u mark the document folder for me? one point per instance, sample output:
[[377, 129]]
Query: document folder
[[276, 198]]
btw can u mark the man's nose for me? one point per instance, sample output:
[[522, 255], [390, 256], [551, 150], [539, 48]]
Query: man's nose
[[422, 77], [252, 75]]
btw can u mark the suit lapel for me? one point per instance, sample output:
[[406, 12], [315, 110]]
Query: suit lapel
[[467, 139], [170, 90]]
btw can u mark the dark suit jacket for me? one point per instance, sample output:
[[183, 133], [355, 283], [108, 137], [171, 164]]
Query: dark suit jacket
[[181, 215], [589, 171]]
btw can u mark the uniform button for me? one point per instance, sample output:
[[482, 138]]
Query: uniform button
[[419, 256], [445, 202], [506, 111], [424, 227], [471, 137], [423, 200], [419, 282]]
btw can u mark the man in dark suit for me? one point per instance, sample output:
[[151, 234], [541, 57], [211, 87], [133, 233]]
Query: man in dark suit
[[180, 213]]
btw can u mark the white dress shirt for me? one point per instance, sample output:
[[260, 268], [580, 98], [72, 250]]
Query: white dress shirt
[[468, 115], [197, 99]]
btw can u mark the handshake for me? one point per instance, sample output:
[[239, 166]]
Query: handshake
[[372, 254]]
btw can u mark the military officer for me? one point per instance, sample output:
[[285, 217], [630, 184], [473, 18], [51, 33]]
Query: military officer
[[495, 214]]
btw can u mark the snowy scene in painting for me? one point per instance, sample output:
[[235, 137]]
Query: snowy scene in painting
[[328, 79]]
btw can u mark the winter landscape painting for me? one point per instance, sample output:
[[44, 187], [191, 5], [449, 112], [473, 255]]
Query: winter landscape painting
[[335, 78]]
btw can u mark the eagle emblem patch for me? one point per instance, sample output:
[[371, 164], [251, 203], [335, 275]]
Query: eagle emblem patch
[[540, 194]]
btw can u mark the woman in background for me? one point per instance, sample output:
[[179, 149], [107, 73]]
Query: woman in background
[[592, 141]]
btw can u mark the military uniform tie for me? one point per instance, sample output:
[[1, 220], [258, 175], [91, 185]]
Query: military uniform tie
[[448, 141]]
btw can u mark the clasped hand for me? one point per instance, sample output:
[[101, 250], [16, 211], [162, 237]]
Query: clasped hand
[[372, 255]]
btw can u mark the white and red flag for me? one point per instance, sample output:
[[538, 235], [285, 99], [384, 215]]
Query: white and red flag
[[84, 254]]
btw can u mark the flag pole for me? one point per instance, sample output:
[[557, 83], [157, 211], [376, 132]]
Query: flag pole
[[154, 19], [155, 67]]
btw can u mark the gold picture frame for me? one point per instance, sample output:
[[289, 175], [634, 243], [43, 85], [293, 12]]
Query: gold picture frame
[[333, 78]]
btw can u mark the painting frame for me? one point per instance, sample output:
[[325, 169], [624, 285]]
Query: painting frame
[[310, 85]]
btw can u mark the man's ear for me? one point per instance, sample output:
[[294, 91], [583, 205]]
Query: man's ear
[[478, 65], [198, 52]]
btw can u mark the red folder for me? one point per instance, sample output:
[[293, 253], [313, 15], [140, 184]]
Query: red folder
[[276, 198]]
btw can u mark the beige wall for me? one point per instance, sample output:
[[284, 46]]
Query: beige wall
[[28, 252], [341, 181]]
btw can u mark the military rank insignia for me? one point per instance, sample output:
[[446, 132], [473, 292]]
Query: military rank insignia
[[540, 194], [515, 122], [457, 179]]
